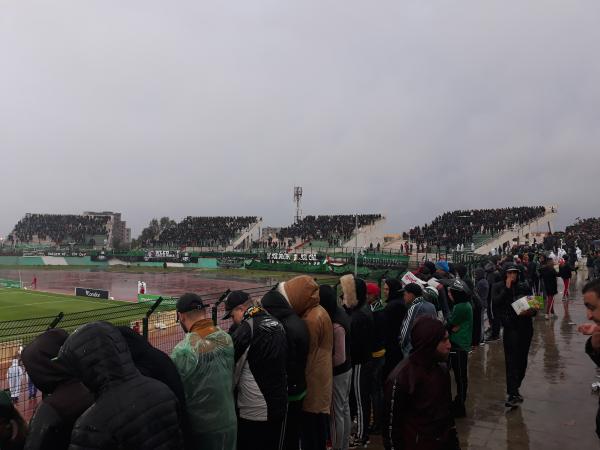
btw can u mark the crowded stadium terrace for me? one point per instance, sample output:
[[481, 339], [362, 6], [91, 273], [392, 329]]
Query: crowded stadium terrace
[[334, 229], [461, 226], [205, 231], [59, 228], [581, 234]]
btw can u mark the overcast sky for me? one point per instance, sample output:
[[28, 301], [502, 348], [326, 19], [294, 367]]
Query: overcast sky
[[409, 108]]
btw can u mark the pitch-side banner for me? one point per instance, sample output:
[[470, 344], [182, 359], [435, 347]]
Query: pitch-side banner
[[92, 293]]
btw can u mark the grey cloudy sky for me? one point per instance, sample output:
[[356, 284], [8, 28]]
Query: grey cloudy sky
[[409, 108]]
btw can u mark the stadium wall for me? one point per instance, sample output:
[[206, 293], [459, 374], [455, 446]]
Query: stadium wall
[[203, 263]]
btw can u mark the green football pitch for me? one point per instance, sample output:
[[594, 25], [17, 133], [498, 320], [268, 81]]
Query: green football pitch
[[18, 304]]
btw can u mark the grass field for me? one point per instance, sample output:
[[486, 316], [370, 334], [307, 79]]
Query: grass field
[[18, 304]]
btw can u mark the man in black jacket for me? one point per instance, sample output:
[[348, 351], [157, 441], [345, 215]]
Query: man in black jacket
[[65, 397], [131, 411], [518, 330], [297, 350], [260, 375], [362, 331]]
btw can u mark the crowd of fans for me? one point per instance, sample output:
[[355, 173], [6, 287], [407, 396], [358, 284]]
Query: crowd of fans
[[303, 366], [581, 234], [335, 229], [59, 228], [217, 231], [459, 227]]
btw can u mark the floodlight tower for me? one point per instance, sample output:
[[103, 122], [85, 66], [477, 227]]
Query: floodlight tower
[[297, 200]]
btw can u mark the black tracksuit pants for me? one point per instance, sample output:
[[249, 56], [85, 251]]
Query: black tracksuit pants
[[516, 352], [361, 385], [459, 362]]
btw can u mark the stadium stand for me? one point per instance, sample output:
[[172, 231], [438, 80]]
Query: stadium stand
[[582, 233], [59, 228], [218, 231], [334, 229], [472, 226]]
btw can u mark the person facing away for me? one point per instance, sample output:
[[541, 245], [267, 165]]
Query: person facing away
[[130, 410], [65, 397], [260, 376], [204, 360], [297, 351], [394, 314], [417, 414], [302, 292], [339, 419], [417, 307], [362, 333]]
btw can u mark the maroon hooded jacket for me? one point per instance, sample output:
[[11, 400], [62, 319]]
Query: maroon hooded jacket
[[418, 396]]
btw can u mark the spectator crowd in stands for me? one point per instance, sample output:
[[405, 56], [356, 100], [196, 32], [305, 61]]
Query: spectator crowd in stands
[[335, 229], [460, 227], [581, 234], [216, 231], [59, 228]]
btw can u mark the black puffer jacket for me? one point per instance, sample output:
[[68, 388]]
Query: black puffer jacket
[[260, 339], [131, 411], [65, 398], [297, 341]]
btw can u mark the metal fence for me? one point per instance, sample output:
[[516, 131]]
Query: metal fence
[[156, 321]]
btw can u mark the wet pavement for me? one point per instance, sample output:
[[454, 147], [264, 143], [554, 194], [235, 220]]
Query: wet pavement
[[559, 409]]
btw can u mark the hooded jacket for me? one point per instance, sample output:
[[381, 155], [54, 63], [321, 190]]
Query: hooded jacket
[[418, 396], [296, 334], [260, 360], [362, 326], [131, 411], [153, 363], [341, 330], [302, 293], [394, 313], [65, 398], [549, 275]]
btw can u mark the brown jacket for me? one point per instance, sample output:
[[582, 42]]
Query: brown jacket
[[303, 294]]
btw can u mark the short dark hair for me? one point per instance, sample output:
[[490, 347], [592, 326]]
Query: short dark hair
[[592, 286]]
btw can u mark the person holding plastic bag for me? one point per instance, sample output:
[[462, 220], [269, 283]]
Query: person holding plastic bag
[[204, 359]]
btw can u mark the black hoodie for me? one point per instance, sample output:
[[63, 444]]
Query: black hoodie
[[394, 312], [65, 398], [362, 325], [131, 411], [296, 334]]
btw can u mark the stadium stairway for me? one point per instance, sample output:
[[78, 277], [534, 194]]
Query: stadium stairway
[[368, 234], [245, 239], [520, 233]]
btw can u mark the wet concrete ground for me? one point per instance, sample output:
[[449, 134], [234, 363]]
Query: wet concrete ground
[[559, 409]]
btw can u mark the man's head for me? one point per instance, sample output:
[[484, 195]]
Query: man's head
[[591, 300], [512, 273], [190, 309], [412, 291], [236, 304], [458, 291], [373, 293]]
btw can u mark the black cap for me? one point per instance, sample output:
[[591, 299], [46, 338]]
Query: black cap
[[414, 288], [235, 298], [510, 267], [189, 302]]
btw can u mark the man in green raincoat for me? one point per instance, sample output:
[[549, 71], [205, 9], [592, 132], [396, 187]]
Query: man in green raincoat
[[204, 359]]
